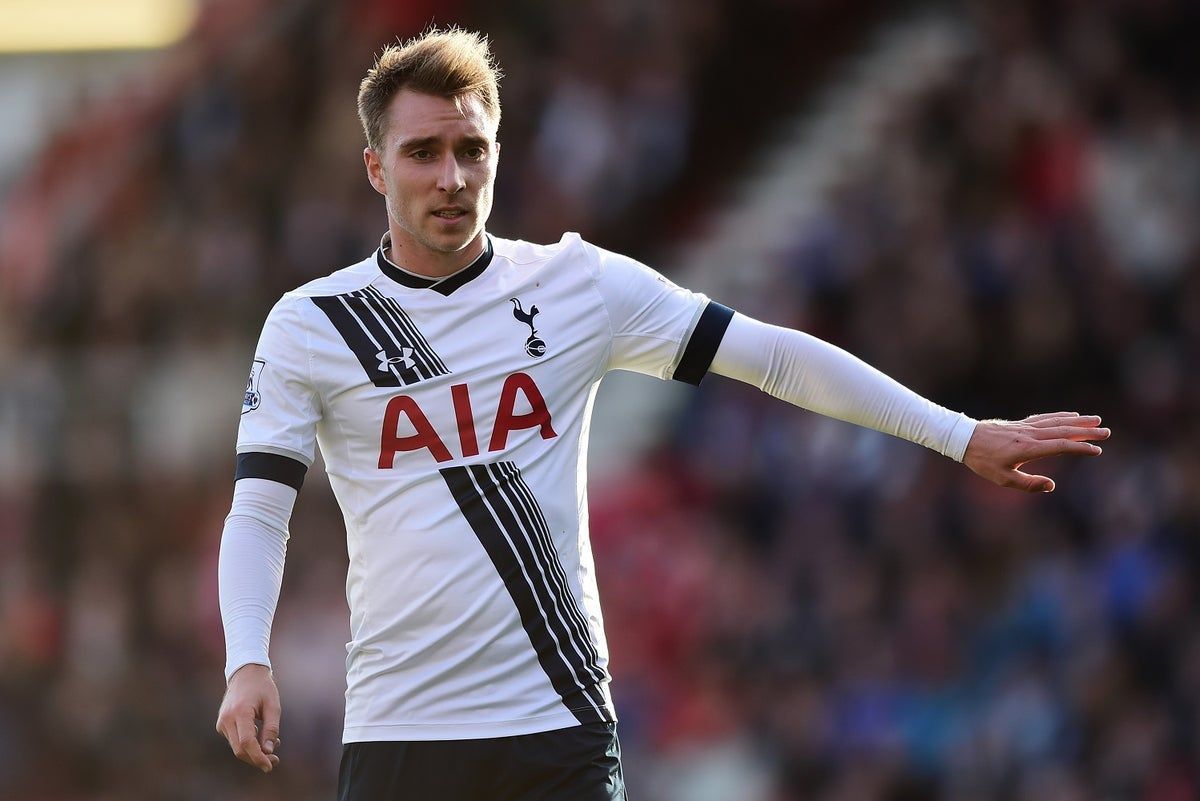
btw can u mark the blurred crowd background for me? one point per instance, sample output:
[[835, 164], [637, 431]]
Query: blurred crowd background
[[796, 608]]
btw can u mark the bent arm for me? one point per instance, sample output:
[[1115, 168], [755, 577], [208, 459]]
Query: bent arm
[[250, 568], [815, 375]]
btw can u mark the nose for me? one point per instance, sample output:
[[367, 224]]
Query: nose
[[450, 179]]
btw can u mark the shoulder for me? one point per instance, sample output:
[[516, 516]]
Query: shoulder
[[347, 279], [291, 310], [571, 247]]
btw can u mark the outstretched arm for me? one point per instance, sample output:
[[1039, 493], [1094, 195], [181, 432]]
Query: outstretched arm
[[813, 374]]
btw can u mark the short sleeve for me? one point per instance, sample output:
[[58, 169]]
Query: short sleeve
[[281, 408], [658, 328]]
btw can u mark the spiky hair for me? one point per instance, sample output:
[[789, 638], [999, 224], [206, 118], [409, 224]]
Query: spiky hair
[[450, 63]]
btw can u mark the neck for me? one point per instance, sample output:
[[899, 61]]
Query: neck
[[417, 258]]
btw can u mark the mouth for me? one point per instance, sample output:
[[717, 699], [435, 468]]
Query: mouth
[[450, 213]]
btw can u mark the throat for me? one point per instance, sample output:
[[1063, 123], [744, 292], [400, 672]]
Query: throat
[[435, 269]]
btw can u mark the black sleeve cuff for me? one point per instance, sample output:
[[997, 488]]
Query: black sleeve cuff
[[272, 467], [702, 346]]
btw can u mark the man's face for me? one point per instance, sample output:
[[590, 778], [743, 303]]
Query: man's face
[[436, 171]]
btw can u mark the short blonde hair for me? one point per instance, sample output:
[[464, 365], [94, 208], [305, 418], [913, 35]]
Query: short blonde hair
[[450, 63]]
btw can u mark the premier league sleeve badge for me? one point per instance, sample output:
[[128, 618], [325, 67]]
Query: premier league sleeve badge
[[253, 397]]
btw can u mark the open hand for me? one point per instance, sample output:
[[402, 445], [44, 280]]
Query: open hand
[[998, 448], [251, 699]]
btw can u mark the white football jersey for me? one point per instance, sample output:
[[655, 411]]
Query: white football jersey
[[452, 416]]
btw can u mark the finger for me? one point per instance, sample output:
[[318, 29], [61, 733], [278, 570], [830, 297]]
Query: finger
[[270, 729], [1089, 421], [1070, 432], [1041, 449], [248, 749], [1033, 418], [234, 736], [227, 725]]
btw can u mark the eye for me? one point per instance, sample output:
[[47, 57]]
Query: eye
[[476, 153], [421, 155]]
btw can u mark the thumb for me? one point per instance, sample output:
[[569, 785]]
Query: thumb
[[1031, 483]]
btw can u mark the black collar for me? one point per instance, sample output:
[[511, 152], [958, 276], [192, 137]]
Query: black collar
[[443, 286]]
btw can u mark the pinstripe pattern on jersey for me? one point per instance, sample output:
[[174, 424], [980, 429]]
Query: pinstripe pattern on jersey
[[403, 322], [505, 516], [388, 345]]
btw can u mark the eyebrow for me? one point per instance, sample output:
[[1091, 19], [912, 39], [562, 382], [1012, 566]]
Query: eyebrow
[[428, 141]]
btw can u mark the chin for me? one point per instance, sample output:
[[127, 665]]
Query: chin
[[452, 243]]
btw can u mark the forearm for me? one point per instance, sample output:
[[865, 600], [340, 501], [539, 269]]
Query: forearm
[[813, 374], [250, 568]]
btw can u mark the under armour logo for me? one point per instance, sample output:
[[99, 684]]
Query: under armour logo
[[534, 346], [404, 360]]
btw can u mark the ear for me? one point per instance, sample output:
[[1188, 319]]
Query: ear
[[375, 171]]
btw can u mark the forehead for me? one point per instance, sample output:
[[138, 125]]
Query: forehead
[[415, 115]]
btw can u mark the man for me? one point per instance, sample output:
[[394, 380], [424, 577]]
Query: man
[[449, 379]]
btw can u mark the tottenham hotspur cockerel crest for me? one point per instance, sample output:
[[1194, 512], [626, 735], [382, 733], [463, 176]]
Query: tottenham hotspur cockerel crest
[[534, 346]]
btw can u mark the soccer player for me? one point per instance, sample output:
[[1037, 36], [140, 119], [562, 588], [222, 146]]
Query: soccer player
[[449, 379]]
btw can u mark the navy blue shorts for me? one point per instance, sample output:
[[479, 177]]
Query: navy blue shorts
[[582, 763]]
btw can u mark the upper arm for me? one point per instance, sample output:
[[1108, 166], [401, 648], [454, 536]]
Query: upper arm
[[658, 327], [281, 408]]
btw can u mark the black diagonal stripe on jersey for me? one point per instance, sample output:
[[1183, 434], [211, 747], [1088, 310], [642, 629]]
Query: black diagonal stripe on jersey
[[548, 562], [391, 342], [358, 339], [527, 508], [478, 497], [369, 326], [540, 565], [535, 573], [401, 337], [405, 323]]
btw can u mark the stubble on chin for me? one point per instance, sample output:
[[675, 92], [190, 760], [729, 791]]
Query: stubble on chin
[[446, 243], [429, 237]]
